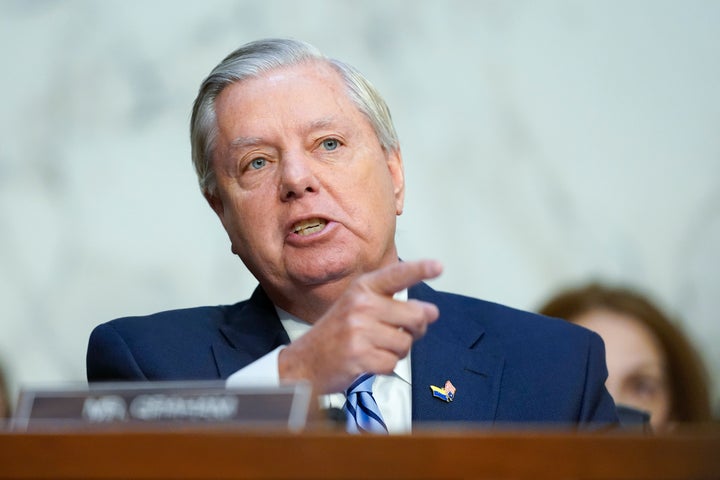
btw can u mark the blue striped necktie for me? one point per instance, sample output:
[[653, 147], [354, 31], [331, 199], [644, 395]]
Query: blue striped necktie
[[363, 414]]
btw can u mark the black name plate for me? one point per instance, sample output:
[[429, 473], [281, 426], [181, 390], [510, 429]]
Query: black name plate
[[164, 402]]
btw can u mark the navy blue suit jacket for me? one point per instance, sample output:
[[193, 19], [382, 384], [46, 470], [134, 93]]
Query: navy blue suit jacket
[[508, 366]]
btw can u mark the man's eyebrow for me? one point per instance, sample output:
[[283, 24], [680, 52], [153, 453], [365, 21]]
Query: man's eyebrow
[[325, 122], [242, 142], [321, 123]]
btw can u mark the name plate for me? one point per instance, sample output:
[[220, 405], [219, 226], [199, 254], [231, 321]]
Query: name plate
[[139, 403]]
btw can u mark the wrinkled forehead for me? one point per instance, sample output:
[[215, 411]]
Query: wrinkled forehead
[[309, 86], [290, 88], [304, 70], [287, 103]]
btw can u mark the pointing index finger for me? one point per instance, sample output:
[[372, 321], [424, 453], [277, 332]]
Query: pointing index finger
[[399, 276]]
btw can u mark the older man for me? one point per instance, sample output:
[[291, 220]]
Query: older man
[[298, 157]]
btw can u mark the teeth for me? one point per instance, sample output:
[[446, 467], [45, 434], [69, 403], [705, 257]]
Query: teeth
[[307, 227]]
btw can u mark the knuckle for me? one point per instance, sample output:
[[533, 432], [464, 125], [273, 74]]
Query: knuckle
[[359, 299]]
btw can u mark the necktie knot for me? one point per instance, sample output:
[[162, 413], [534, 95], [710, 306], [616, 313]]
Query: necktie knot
[[361, 409], [363, 383]]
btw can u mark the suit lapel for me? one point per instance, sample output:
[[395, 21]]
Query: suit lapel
[[454, 349], [251, 330]]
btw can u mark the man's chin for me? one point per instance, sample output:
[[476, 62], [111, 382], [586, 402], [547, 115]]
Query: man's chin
[[314, 279], [320, 271]]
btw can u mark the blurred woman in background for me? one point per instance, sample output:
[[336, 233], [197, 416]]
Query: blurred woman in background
[[652, 366]]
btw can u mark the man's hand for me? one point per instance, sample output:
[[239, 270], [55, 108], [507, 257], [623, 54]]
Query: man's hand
[[366, 330]]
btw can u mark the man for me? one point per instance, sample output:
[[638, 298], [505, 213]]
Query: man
[[298, 157]]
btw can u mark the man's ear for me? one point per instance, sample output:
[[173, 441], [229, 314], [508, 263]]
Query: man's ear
[[397, 174], [215, 203]]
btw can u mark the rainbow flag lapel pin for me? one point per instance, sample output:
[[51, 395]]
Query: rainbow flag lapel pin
[[447, 393]]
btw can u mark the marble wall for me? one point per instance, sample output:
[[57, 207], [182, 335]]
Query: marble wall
[[545, 143]]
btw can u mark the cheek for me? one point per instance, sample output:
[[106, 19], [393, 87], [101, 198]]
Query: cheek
[[660, 416], [247, 217], [616, 391], [379, 184], [372, 201], [663, 402]]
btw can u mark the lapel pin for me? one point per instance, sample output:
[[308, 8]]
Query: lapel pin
[[446, 393]]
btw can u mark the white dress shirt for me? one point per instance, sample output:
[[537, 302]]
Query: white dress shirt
[[392, 392]]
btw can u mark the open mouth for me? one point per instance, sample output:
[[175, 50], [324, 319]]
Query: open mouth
[[309, 226]]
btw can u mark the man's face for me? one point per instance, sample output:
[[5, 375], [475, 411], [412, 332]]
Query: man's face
[[304, 189]]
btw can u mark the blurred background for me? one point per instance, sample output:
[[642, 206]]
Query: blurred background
[[546, 143]]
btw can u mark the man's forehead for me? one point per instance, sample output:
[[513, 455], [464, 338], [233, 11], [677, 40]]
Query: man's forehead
[[277, 74], [303, 87], [309, 70], [306, 83]]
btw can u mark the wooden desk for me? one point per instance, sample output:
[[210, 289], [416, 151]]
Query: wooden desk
[[219, 453]]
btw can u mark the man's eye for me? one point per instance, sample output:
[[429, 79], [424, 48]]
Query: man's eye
[[257, 163], [330, 144]]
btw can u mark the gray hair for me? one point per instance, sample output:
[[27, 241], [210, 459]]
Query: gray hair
[[257, 58]]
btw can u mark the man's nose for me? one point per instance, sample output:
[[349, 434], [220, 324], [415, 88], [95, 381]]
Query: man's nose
[[297, 176]]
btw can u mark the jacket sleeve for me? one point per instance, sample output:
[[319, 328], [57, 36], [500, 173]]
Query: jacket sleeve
[[598, 406], [109, 358]]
